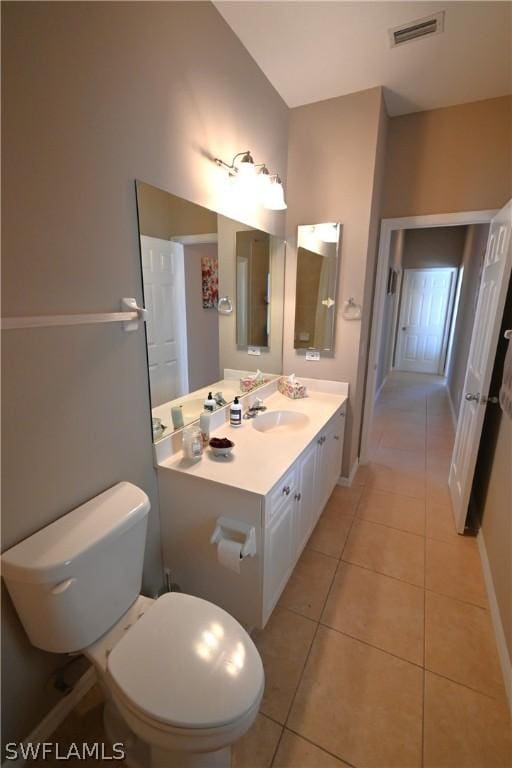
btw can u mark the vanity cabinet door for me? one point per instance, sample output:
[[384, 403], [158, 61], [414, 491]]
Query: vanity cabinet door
[[279, 554], [305, 498], [328, 462], [333, 451]]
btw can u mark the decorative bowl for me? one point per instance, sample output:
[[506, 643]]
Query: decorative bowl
[[221, 446]]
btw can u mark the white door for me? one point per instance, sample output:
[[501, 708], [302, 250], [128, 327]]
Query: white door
[[163, 273], [488, 317], [425, 315]]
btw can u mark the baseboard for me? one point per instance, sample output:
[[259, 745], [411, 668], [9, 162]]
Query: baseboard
[[347, 481], [452, 408], [501, 643], [56, 716]]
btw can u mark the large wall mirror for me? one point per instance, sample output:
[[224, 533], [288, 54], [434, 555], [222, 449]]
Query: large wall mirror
[[213, 288], [318, 247]]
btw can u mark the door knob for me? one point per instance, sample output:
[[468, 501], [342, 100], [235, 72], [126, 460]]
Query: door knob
[[470, 397], [404, 327]]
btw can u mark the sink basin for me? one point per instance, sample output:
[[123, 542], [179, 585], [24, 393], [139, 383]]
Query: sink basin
[[282, 421]]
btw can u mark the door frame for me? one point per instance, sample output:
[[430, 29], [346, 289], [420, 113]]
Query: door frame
[[448, 319], [386, 228]]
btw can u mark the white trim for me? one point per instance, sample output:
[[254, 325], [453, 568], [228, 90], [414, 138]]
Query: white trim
[[386, 228], [346, 482], [382, 385], [455, 311], [499, 634], [56, 716], [452, 407]]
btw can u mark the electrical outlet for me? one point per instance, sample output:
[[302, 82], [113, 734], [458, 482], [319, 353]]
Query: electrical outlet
[[253, 351], [312, 354]]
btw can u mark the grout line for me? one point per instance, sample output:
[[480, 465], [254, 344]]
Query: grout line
[[392, 527], [319, 746], [457, 599], [497, 699], [371, 645], [381, 573]]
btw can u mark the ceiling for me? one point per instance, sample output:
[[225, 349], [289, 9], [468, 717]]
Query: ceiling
[[317, 50]]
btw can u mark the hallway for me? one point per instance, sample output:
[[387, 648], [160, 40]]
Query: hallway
[[380, 653]]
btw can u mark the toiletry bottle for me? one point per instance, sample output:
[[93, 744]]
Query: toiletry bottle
[[204, 426], [209, 403], [235, 413], [177, 417], [192, 443]]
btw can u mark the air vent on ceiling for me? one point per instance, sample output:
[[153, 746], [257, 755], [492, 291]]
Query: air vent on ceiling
[[430, 25]]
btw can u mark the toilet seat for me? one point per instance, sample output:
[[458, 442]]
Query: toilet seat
[[186, 665]]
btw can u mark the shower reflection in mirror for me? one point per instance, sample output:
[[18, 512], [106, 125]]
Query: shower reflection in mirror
[[318, 248]]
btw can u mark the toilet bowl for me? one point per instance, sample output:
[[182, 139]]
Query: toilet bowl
[[181, 677]]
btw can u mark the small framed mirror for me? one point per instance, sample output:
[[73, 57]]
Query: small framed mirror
[[252, 289], [318, 247]]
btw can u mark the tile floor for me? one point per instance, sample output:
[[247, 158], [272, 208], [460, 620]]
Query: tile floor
[[380, 653]]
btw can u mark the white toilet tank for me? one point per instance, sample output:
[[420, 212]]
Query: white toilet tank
[[71, 581]]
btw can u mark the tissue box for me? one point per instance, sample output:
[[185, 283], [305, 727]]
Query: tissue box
[[250, 382], [292, 389]]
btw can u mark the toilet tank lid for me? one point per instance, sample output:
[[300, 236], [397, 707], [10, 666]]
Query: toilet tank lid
[[49, 553]]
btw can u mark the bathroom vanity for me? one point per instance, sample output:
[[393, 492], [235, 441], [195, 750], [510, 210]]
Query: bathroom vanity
[[281, 473]]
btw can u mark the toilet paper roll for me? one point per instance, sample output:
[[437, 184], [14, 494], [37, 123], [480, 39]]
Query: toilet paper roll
[[229, 554]]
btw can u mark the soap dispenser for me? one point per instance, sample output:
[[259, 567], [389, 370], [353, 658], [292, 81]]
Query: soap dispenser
[[235, 413], [209, 403]]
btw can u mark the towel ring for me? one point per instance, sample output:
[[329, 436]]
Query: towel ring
[[224, 305]]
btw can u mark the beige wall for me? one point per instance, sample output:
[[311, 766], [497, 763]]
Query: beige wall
[[165, 216], [497, 524], [202, 324], [472, 262], [450, 159], [334, 148], [492, 489], [433, 247], [110, 92]]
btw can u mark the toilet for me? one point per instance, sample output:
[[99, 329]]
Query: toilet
[[182, 678]]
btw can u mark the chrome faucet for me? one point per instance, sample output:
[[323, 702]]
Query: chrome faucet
[[219, 399], [254, 409]]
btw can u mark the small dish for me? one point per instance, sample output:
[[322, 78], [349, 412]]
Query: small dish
[[221, 446]]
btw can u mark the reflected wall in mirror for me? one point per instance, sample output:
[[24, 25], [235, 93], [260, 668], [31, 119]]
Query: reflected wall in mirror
[[252, 288], [316, 286], [189, 256]]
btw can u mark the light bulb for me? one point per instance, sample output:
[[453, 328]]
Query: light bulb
[[245, 167]]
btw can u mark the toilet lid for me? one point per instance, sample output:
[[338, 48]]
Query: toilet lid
[[187, 663]]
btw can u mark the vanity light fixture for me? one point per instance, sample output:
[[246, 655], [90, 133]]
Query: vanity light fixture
[[268, 186]]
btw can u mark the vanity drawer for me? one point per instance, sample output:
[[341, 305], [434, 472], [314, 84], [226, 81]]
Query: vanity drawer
[[282, 491]]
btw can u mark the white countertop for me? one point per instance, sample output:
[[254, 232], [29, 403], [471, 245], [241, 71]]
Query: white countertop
[[259, 459]]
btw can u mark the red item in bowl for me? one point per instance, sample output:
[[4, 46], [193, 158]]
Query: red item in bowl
[[221, 442]]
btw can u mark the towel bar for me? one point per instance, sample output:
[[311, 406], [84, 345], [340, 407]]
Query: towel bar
[[129, 316]]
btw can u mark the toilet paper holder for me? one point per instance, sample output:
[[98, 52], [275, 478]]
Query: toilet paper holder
[[226, 526]]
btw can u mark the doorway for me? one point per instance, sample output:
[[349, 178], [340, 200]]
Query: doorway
[[386, 305]]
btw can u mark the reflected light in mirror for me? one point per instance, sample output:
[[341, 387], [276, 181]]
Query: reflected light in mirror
[[328, 232]]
